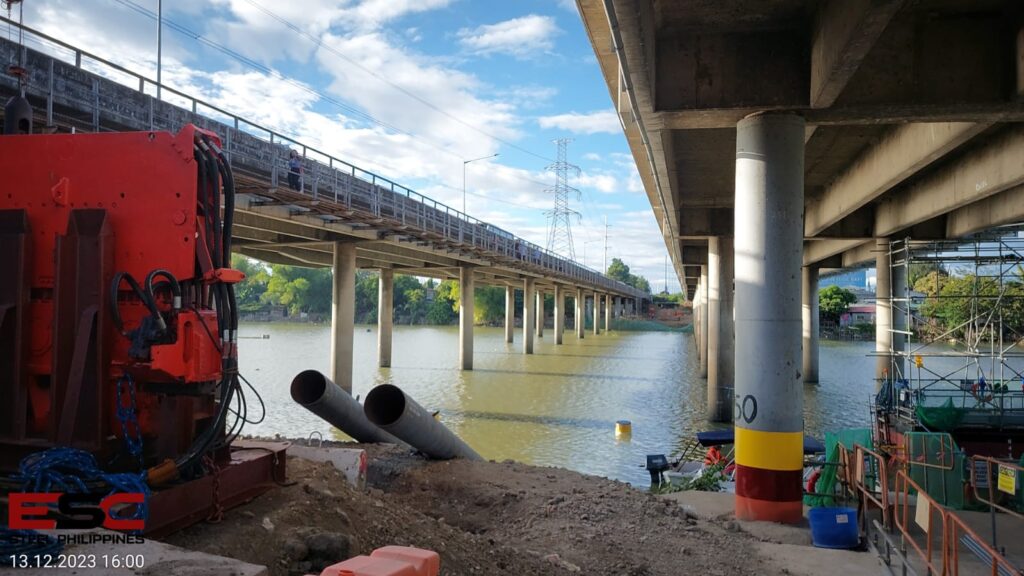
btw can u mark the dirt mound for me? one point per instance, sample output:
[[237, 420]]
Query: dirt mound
[[482, 518]]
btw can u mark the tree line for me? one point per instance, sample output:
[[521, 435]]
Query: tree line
[[300, 290]]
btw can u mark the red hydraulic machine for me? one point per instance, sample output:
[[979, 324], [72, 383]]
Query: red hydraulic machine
[[118, 322]]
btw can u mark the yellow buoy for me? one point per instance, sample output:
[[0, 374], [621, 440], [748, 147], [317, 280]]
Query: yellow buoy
[[623, 428]]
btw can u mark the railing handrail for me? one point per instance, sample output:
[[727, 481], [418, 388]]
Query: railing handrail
[[586, 273]]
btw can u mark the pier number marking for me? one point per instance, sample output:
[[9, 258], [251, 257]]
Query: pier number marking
[[1007, 479], [746, 409]]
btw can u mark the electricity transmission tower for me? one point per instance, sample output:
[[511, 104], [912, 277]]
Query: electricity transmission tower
[[560, 229]]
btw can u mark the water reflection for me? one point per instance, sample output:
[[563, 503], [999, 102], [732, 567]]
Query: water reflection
[[557, 407]]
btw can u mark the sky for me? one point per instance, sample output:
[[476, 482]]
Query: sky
[[409, 89]]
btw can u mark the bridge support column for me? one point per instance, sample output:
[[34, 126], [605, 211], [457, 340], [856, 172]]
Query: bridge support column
[[510, 313], [810, 324], [540, 313], [581, 314], [343, 314], [559, 314], [597, 313], [702, 341], [883, 311], [721, 357], [385, 313], [768, 408], [890, 313], [529, 301], [466, 288], [607, 312]]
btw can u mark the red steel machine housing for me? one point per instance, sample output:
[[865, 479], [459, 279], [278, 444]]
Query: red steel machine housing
[[115, 294]]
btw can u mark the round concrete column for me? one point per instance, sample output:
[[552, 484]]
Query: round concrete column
[[466, 290], [768, 407], [720, 329], [343, 314], [581, 314], [559, 313], [702, 341], [607, 313], [528, 315], [540, 314], [809, 292], [385, 311], [883, 311], [597, 313], [510, 313]]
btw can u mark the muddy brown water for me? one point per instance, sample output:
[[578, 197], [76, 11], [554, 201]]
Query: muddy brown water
[[557, 407]]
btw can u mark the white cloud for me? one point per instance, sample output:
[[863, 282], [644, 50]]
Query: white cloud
[[520, 37], [601, 121], [604, 183], [592, 156]]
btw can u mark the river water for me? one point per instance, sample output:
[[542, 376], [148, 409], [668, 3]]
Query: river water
[[557, 407]]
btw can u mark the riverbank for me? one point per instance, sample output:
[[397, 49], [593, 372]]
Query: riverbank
[[483, 518]]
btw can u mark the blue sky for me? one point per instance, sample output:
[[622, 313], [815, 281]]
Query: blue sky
[[408, 89]]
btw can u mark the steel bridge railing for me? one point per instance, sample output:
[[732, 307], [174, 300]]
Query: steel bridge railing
[[93, 93]]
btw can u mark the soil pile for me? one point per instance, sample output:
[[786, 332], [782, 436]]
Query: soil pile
[[481, 517]]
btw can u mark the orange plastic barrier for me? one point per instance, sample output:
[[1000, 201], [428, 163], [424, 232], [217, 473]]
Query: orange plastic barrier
[[389, 561]]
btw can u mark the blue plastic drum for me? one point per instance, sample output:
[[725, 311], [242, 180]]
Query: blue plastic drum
[[834, 527]]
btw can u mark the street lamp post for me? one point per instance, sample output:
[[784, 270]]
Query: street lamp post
[[464, 162]]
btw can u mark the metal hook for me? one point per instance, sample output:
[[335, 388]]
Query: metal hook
[[309, 439]]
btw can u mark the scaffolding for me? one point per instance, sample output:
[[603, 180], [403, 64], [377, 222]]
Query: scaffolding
[[956, 357]]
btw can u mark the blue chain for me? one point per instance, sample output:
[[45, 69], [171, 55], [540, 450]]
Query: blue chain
[[126, 414]]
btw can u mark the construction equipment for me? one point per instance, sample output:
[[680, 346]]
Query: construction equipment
[[118, 322]]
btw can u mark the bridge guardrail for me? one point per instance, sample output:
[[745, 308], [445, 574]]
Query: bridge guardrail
[[107, 91]]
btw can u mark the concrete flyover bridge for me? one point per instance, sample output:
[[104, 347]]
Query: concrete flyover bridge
[[342, 216], [777, 139]]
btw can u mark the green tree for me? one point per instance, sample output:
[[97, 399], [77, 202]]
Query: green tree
[[932, 282], [299, 289], [249, 292], [834, 301], [489, 304], [618, 270]]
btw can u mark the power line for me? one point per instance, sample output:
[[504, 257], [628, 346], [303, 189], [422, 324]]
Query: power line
[[321, 44], [185, 31]]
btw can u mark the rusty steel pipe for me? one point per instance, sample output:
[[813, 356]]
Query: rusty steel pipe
[[318, 394], [394, 411]]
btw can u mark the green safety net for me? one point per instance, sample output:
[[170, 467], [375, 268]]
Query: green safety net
[[827, 481], [945, 417]]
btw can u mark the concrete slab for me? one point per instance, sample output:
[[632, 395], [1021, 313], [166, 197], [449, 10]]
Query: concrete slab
[[785, 548], [810, 561], [349, 461], [157, 558]]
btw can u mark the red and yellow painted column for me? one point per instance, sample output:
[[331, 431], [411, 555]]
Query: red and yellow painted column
[[768, 244], [769, 470]]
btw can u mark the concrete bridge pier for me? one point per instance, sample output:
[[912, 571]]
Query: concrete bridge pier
[[559, 311], [510, 313], [466, 289], [811, 329], [607, 313], [581, 314], [385, 314], [343, 313], [540, 313], [702, 341], [597, 313], [890, 282], [529, 301], [721, 356], [768, 408]]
